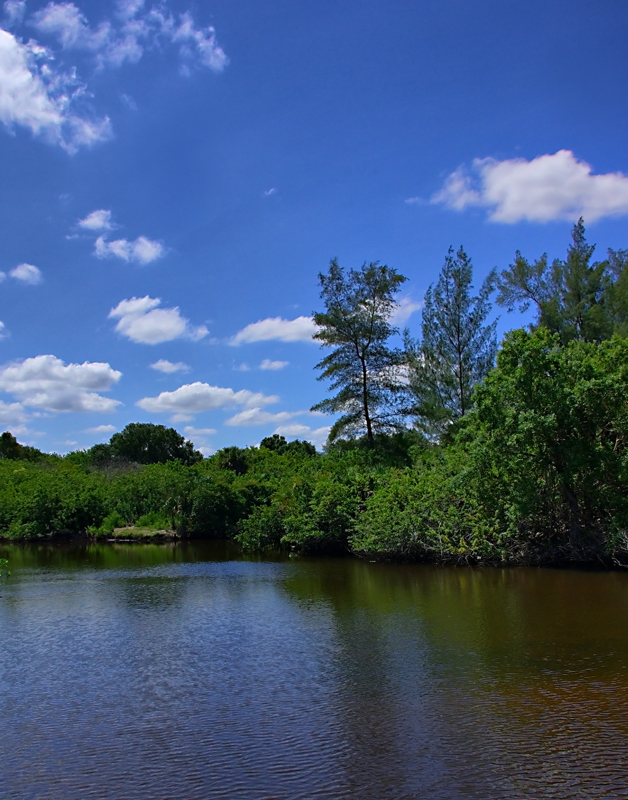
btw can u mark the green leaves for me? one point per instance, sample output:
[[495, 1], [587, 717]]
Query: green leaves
[[362, 368], [457, 348]]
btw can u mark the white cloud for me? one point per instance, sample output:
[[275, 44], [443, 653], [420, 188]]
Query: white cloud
[[99, 220], [27, 273], [101, 429], [270, 192], [195, 398], [550, 187], [47, 382], [198, 437], [142, 250], [413, 201], [12, 413], [191, 431], [317, 436], [130, 33], [201, 40], [2, 276], [3, 330], [300, 329], [404, 309], [36, 96], [163, 365], [256, 416], [69, 25], [273, 365], [140, 320], [14, 11]]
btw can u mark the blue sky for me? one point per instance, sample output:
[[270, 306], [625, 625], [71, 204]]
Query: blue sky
[[175, 175]]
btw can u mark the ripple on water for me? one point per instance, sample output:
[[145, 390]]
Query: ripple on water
[[315, 679]]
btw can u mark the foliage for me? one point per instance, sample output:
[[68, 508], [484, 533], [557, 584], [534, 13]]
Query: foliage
[[145, 443], [533, 469], [457, 347], [362, 368], [11, 449], [574, 298]]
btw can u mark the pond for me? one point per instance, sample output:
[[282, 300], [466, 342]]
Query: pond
[[186, 671]]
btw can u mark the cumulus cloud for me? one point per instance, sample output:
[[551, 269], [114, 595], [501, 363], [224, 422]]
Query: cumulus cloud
[[278, 329], [142, 250], [35, 95], [163, 365], [273, 365], [27, 273], [317, 436], [99, 220], [48, 383], [550, 187], [140, 320], [12, 413], [195, 398]]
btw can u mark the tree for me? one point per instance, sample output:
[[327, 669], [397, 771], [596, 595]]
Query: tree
[[145, 443], [555, 425], [570, 295], [361, 367], [457, 348]]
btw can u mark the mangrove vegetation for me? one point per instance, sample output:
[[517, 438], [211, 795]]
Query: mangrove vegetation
[[444, 448]]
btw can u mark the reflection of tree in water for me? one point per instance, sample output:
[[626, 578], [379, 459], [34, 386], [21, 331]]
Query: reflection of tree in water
[[476, 683]]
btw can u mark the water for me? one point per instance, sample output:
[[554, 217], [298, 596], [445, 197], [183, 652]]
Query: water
[[183, 671]]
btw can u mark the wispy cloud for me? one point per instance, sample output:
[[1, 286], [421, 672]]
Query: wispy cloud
[[126, 36], [37, 95], [550, 187], [39, 87], [404, 309]]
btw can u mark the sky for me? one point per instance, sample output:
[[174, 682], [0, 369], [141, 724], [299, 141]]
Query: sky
[[175, 175]]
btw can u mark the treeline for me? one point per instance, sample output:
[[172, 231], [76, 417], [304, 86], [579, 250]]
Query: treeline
[[438, 453]]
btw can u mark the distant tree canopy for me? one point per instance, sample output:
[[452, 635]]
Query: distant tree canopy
[[11, 449], [280, 445], [145, 443]]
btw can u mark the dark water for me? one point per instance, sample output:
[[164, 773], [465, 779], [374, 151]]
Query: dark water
[[182, 672]]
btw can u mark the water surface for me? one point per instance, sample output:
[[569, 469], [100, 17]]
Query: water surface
[[184, 671]]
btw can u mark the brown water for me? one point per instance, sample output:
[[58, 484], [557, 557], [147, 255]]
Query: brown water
[[183, 671]]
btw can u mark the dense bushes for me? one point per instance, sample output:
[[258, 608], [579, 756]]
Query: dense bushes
[[536, 473]]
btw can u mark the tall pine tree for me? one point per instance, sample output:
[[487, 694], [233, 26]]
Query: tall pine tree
[[457, 348], [362, 366]]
